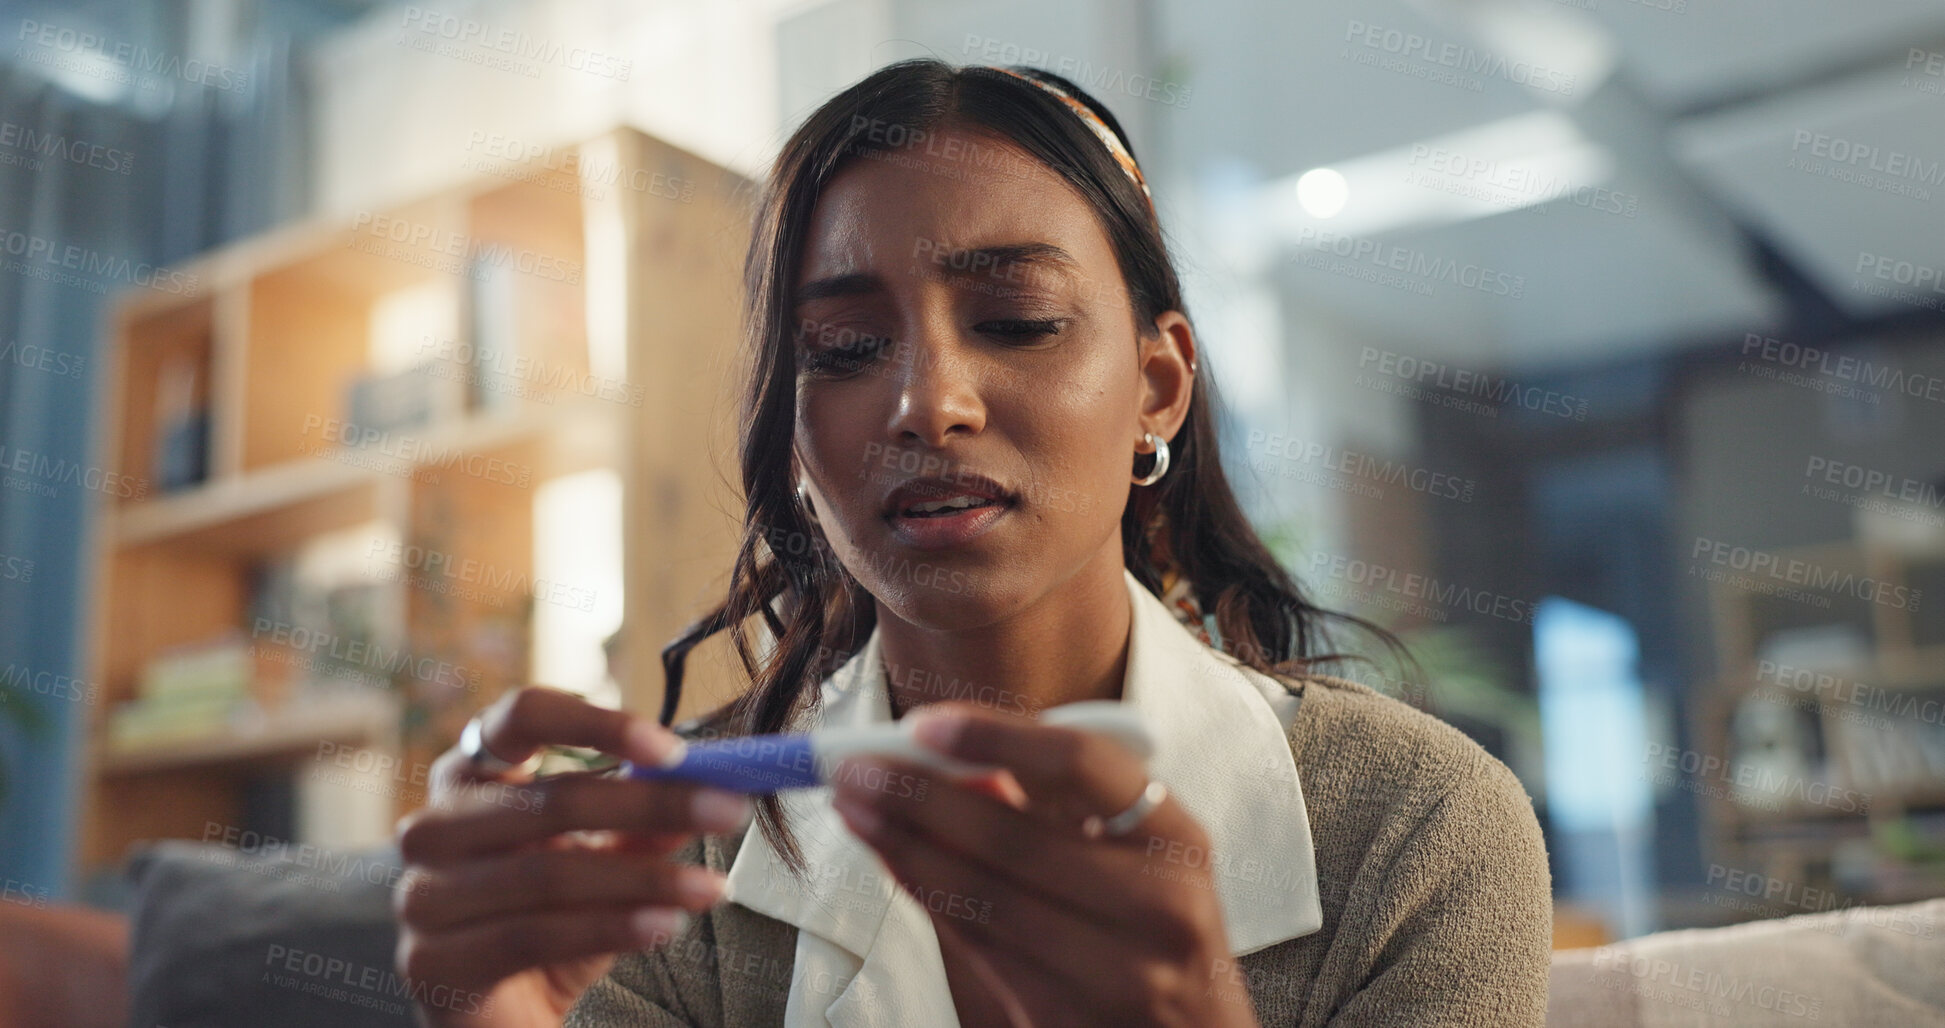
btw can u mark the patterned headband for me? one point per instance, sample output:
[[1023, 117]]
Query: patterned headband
[[1099, 128]]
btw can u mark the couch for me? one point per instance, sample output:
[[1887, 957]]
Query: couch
[[220, 939]]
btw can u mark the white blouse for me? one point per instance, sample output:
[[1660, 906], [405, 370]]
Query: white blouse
[[867, 954]]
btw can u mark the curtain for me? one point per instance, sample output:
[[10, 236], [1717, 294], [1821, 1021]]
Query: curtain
[[143, 145]]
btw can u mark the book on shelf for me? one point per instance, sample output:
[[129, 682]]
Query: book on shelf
[[181, 426], [187, 692]]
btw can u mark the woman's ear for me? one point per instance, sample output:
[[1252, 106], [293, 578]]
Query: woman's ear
[[1168, 361]]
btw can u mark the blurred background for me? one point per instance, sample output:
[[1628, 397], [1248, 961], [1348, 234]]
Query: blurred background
[[359, 361]]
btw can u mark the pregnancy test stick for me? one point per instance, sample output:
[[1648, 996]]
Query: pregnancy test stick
[[770, 763]]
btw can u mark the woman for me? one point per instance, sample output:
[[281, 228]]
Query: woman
[[982, 479]]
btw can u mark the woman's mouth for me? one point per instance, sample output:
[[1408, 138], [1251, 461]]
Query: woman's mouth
[[943, 508], [935, 514]]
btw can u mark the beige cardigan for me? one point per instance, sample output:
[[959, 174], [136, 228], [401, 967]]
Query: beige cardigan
[[1431, 870]]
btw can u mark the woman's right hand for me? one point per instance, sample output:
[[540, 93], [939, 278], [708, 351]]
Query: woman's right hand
[[507, 913]]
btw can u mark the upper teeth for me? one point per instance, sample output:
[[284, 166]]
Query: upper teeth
[[955, 503]]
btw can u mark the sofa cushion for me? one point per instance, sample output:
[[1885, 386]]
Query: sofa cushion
[[1861, 965], [224, 938]]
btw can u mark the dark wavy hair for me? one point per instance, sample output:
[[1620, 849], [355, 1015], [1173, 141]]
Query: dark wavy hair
[[816, 613]]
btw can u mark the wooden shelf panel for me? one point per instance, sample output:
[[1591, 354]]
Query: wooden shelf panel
[[293, 733], [275, 507], [258, 514]]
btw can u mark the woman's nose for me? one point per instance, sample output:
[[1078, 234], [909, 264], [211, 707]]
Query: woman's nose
[[938, 393]]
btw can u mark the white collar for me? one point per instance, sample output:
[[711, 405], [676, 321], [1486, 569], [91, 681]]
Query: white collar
[[1222, 749]]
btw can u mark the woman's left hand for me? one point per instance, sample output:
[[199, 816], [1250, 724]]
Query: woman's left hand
[[1060, 928]]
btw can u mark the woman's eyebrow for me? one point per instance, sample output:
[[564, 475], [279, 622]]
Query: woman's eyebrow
[[856, 283], [981, 260], [987, 259]]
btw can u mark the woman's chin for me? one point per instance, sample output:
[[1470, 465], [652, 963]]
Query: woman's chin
[[951, 599]]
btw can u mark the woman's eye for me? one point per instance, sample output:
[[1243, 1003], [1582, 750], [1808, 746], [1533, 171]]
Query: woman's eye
[[1020, 330], [846, 357]]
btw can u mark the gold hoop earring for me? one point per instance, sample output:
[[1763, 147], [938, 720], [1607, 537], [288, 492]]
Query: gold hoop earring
[[1161, 459]]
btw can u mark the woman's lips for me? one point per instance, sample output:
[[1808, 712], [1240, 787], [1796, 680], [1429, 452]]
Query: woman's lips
[[949, 528], [962, 483]]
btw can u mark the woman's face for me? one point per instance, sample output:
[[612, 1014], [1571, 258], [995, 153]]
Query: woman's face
[[972, 388]]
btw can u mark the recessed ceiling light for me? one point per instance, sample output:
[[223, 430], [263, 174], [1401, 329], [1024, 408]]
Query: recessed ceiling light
[[1322, 192]]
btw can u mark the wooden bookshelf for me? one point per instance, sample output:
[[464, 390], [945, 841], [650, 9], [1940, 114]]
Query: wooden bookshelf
[[526, 280], [1873, 712]]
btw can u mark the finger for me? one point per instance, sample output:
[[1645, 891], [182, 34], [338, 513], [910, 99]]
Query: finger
[[615, 842], [1107, 883], [481, 954], [528, 813], [988, 909], [1001, 991], [1022, 993], [543, 879], [523, 721], [1055, 957], [1069, 774]]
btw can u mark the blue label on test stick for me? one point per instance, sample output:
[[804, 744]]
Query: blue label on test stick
[[751, 763]]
